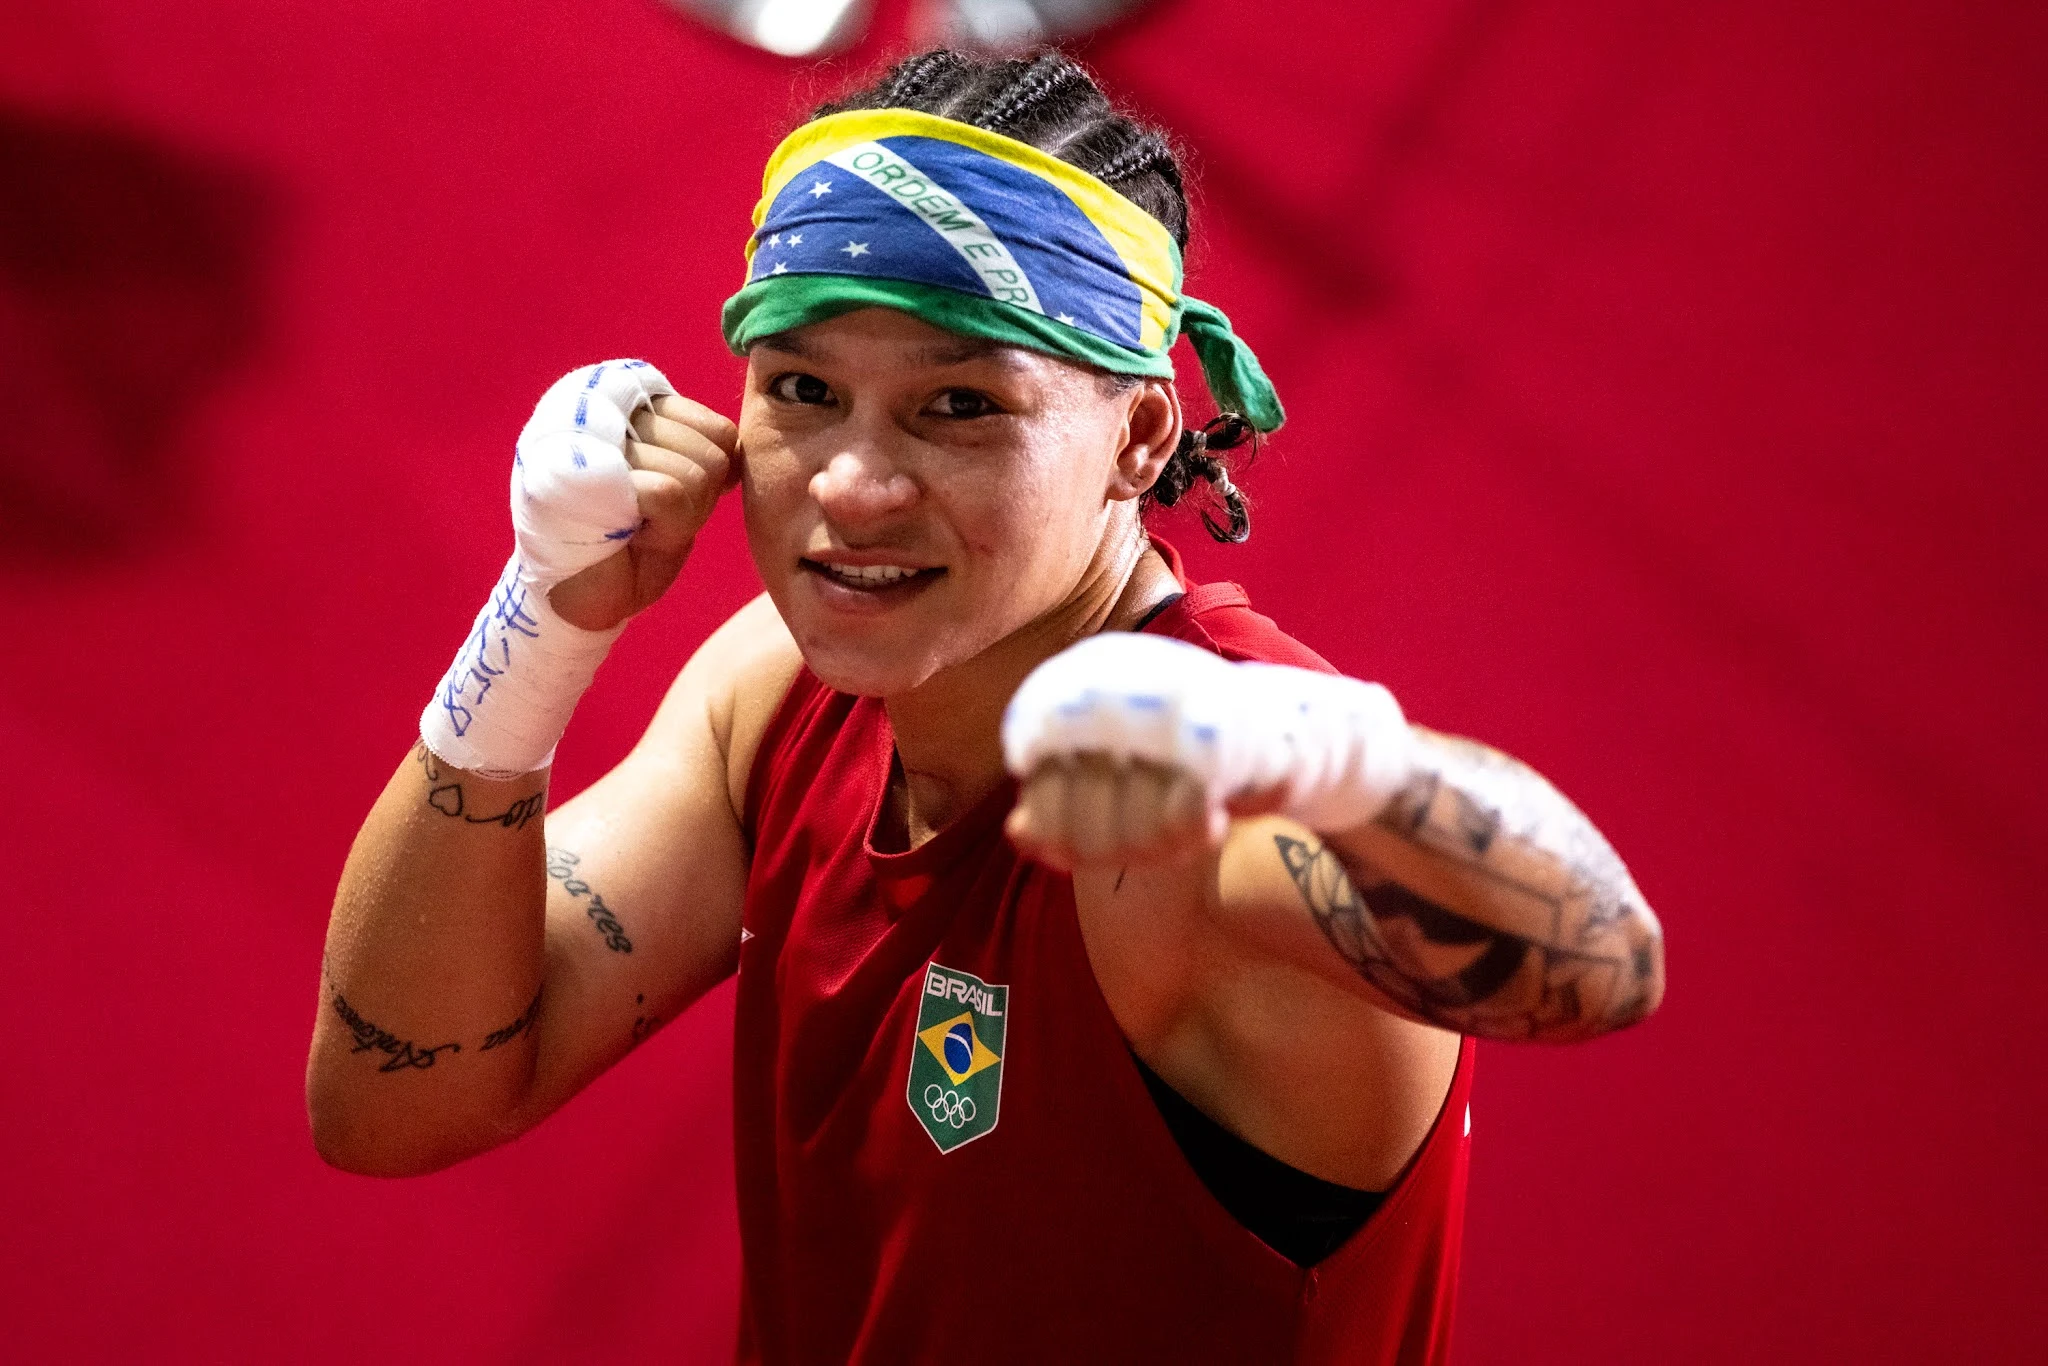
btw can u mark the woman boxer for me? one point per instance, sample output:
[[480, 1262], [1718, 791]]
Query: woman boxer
[[1108, 966]]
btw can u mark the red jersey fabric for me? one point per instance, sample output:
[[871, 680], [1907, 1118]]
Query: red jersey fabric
[[1071, 1230]]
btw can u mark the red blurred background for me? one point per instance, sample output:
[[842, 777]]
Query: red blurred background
[[1667, 395]]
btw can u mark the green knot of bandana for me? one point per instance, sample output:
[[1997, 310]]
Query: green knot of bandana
[[1236, 379]]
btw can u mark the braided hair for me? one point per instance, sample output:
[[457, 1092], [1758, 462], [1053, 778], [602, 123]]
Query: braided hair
[[1051, 102]]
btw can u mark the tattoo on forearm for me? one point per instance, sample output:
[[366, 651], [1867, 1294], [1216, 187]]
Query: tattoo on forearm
[[644, 1025], [400, 1053], [522, 1025], [448, 798], [562, 867], [1585, 957]]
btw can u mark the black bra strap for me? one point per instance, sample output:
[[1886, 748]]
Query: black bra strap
[[1152, 612]]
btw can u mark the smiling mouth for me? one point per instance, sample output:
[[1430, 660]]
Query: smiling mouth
[[870, 578]]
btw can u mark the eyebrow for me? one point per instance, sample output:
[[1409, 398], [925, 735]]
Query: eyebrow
[[940, 354], [788, 344], [957, 353]]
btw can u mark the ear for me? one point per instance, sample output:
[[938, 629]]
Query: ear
[[1151, 432]]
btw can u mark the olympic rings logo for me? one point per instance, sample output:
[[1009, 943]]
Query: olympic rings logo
[[948, 1107]]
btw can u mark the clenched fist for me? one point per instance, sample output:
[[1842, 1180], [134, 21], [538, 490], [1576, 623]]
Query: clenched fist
[[1090, 808], [1134, 748], [615, 474]]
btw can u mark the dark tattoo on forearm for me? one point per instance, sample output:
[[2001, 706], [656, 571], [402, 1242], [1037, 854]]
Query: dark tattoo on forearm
[[1586, 955], [644, 1025], [401, 1053], [522, 1025], [448, 798], [562, 868]]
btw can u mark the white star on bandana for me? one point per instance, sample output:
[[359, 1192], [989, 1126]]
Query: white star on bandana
[[820, 187], [780, 269], [855, 248], [796, 239], [775, 239]]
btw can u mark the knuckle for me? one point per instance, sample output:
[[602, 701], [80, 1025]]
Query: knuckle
[[1097, 766], [660, 491], [708, 457], [707, 422]]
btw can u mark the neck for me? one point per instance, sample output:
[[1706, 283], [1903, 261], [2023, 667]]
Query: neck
[[948, 729]]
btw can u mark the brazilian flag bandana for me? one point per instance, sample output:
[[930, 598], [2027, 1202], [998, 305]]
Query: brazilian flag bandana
[[982, 235]]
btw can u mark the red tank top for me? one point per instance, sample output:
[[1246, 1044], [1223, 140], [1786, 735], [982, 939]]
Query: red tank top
[[945, 1152]]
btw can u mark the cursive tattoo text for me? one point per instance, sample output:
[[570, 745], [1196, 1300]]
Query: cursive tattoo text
[[400, 1053], [522, 1025], [562, 868]]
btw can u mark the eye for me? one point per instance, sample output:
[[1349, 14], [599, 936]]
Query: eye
[[796, 387], [964, 403]]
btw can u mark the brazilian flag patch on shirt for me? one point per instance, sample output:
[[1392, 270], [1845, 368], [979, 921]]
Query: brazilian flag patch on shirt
[[956, 1059]]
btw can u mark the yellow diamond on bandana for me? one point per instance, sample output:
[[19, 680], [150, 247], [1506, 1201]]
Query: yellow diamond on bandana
[[958, 1047]]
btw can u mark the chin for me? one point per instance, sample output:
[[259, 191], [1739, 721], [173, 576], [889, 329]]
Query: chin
[[864, 672], [866, 659]]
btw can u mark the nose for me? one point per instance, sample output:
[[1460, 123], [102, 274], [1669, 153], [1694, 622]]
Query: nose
[[862, 487]]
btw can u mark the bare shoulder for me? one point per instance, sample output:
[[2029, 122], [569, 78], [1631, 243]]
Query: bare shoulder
[[730, 690], [689, 768], [756, 661]]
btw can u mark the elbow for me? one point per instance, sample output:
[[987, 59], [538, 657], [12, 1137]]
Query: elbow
[[339, 1150], [347, 1143], [1640, 989], [347, 1148], [1628, 991], [350, 1138], [343, 1148]]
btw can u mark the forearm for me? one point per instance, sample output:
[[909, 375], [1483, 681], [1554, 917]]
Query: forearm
[[436, 1038], [426, 1037], [1481, 900], [1453, 879]]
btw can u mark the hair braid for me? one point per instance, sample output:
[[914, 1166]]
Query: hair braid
[[1037, 84], [1196, 458], [1049, 101], [920, 75], [1145, 152]]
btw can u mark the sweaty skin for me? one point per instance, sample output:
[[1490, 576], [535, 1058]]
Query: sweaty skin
[[932, 517]]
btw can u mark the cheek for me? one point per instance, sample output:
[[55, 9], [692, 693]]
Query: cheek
[[768, 458], [773, 490], [1038, 520]]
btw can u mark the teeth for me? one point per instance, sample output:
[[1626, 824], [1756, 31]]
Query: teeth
[[870, 575]]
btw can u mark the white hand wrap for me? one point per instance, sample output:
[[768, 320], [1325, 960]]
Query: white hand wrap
[[505, 701], [1342, 747]]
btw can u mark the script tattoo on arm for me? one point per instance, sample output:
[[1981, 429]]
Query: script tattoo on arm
[[522, 1025], [446, 796], [400, 1053], [1549, 939], [562, 868]]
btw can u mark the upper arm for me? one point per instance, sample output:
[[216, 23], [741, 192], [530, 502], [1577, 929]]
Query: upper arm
[[1236, 999], [647, 867]]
